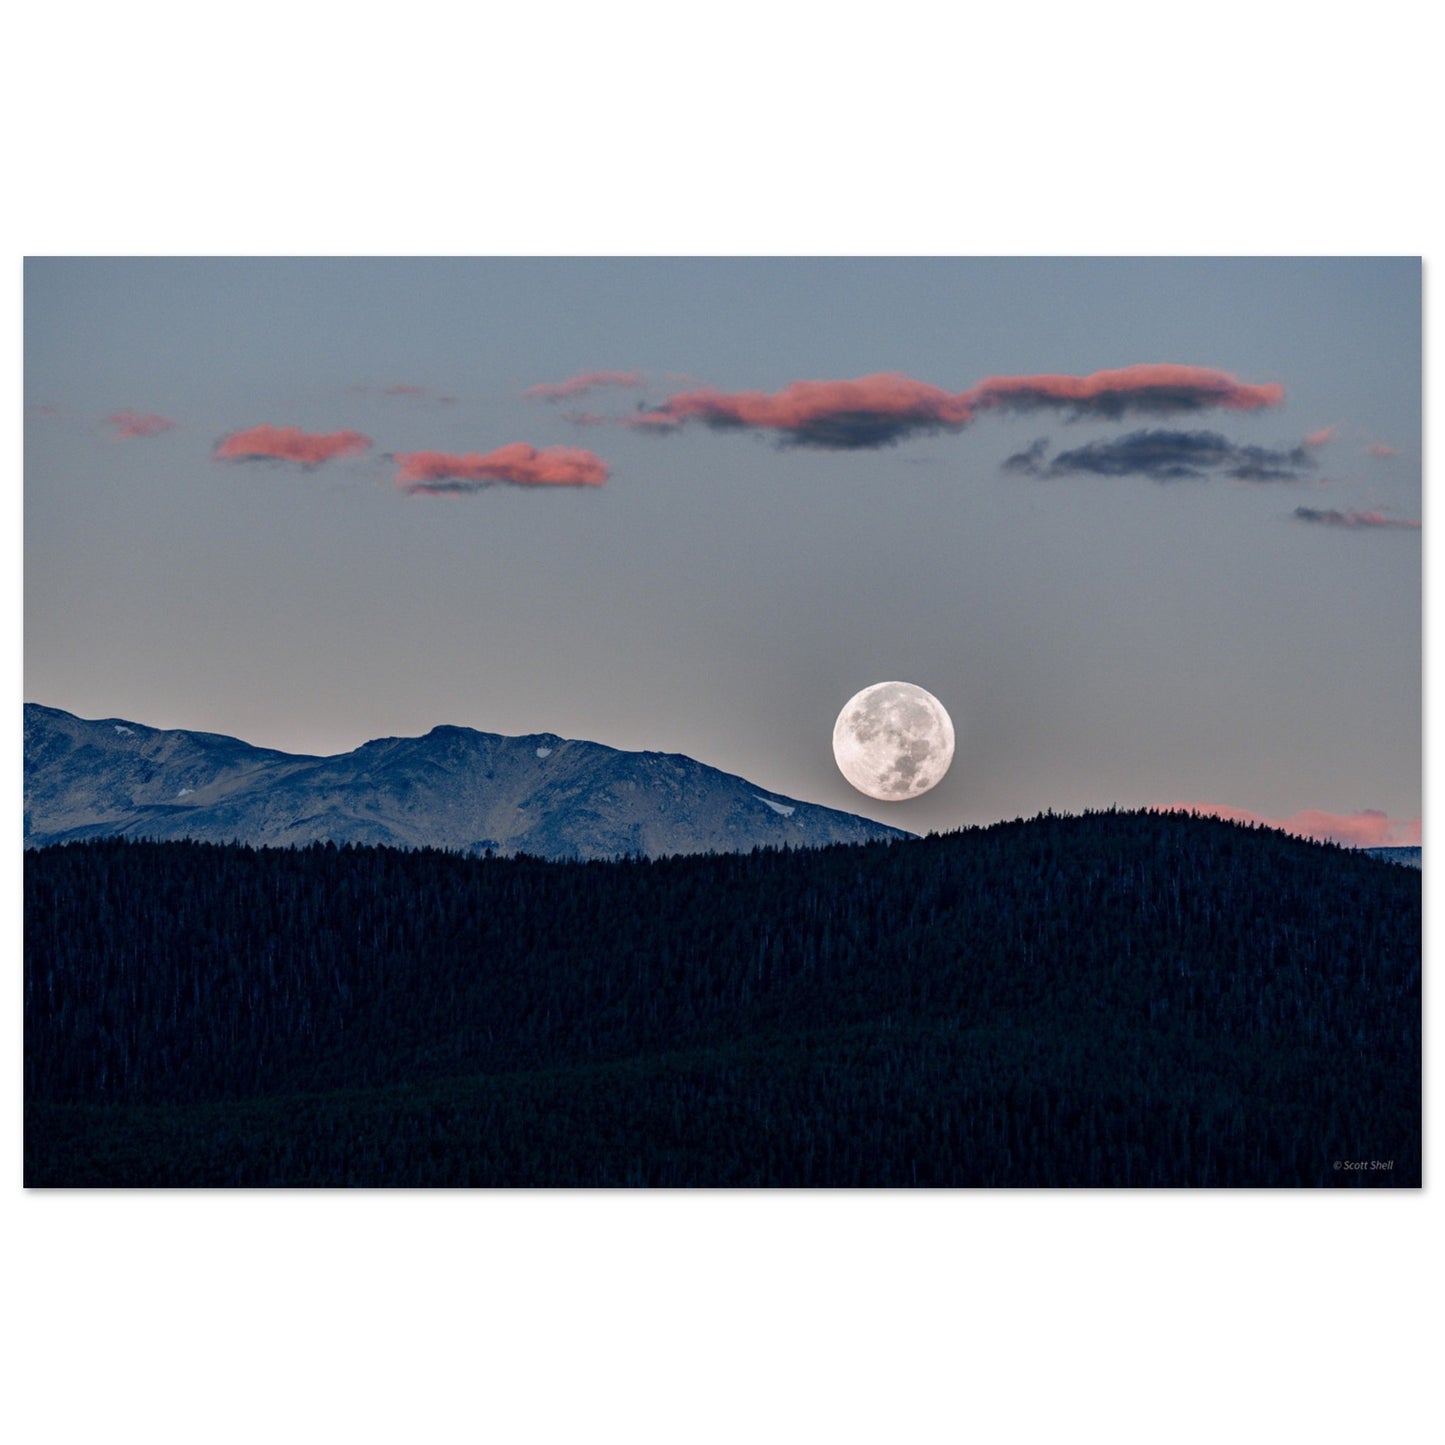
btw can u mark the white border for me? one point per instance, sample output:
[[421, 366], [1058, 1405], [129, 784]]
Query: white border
[[650, 129]]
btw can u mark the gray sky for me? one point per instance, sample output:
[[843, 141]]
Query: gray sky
[[1160, 599]]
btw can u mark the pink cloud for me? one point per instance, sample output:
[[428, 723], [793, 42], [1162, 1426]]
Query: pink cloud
[[876, 410], [138, 424], [1382, 450], [1324, 435], [1161, 387], [865, 412], [1369, 828], [290, 444], [438, 473], [578, 385], [1332, 518]]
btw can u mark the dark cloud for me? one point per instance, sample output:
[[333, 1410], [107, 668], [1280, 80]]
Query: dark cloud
[[1167, 456], [1354, 519], [867, 412], [1263, 464], [856, 430], [1030, 461]]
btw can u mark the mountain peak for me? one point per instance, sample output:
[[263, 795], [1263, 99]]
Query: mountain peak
[[454, 788]]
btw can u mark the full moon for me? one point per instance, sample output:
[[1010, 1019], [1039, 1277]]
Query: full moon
[[893, 741]]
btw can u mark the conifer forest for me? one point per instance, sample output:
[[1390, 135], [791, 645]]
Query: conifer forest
[[1118, 999]]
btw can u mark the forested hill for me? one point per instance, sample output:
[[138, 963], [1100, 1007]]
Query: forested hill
[[1114, 999]]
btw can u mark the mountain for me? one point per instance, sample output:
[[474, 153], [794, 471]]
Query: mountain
[[455, 788], [1410, 857]]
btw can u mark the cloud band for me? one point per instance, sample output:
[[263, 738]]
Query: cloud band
[[883, 408], [290, 444], [442, 473], [1168, 456], [580, 385], [1360, 520], [130, 424]]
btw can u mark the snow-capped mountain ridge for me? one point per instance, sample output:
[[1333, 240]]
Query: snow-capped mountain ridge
[[452, 788]]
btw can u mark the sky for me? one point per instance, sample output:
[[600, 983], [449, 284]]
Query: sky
[[1150, 529]]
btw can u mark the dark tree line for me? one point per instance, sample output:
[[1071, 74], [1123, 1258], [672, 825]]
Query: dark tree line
[[1119, 998]]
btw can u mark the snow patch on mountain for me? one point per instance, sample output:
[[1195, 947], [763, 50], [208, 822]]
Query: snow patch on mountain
[[782, 808]]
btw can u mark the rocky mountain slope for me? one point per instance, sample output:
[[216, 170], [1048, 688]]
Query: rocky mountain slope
[[454, 788]]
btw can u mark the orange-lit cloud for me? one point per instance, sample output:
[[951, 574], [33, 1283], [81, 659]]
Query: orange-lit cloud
[[1382, 450], [290, 444], [1353, 519], [1369, 828], [877, 410], [867, 412], [1323, 436], [578, 385], [138, 424], [1159, 388], [441, 473]]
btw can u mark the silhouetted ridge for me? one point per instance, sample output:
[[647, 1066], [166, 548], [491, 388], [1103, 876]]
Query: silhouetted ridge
[[1122, 998]]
